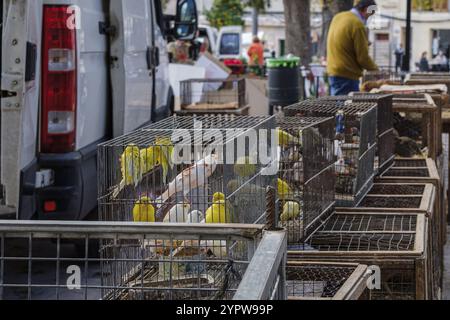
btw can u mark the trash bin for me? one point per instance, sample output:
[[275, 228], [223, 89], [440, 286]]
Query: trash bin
[[283, 82]]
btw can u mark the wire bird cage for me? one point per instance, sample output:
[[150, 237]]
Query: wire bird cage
[[385, 130], [213, 94], [356, 129], [325, 281], [382, 74], [306, 173], [393, 242], [425, 171], [417, 121], [138, 261], [189, 169], [415, 198]]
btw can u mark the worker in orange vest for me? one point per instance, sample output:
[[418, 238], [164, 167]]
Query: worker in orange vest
[[256, 54]]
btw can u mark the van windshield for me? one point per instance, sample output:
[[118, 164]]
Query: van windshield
[[230, 44]]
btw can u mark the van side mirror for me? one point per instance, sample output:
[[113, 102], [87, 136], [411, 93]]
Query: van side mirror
[[186, 20]]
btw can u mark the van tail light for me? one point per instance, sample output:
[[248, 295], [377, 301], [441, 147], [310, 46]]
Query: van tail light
[[59, 81]]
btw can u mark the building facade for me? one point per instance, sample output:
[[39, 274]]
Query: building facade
[[430, 29]]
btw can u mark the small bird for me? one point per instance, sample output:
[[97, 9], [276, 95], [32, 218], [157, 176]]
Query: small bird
[[291, 210], [218, 213], [286, 139], [178, 213], [284, 190], [143, 210], [129, 165], [195, 216]]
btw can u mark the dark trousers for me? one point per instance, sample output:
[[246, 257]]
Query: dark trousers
[[343, 86]]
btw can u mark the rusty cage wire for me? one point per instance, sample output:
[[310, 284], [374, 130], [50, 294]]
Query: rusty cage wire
[[396, 243], [356, 143], [213, 94], [306, 173], [325, 281], [189, 169], [139, 261], [385, 130]]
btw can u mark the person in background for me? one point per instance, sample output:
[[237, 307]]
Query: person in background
[[256, 53], [441, 62], [423, 64], [399, 54], [256, 56], [348, 48]]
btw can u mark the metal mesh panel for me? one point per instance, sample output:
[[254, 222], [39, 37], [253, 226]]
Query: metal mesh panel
[[423, 173], [152, 269], [410, 163], [223, 168], [367, 238], [391, 202], [213, 94], [316, 280], [356, 127], [399, 282], [399, 189], [306, 175]]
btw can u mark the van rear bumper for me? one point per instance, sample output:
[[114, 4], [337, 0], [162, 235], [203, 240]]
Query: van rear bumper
[[74, 190]]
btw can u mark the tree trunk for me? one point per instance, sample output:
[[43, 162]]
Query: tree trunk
[[298, 29], [330, 9]]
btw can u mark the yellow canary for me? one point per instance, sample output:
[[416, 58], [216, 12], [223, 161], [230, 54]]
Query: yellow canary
[[218, 196], [143, 211], [218, 213], [130, 165], [284, 190], [291, 210], [286, 139], [150, 158], [245, 167]]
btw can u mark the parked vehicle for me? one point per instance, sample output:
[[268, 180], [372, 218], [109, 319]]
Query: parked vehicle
[[75, 74], [211, 35]]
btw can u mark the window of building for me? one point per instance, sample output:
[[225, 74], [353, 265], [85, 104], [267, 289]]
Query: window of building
[[430, 5]]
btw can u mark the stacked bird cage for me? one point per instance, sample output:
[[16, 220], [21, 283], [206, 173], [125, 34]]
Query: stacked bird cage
[[306, 173], [213, 94], [356, 129], [417, 121], [394, 243], [326, 281], [429, 78], [385, 131], [189, 169], [407, 171], [412, 197]]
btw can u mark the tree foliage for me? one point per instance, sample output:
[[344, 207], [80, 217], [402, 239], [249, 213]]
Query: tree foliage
[[226, 13]]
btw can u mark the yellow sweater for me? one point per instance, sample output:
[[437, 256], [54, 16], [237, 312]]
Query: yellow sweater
[[348, 47]]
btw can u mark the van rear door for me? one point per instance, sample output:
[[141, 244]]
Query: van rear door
[[20, 83], [132, 64]]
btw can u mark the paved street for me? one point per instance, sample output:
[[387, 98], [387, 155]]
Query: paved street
[[44, 273]]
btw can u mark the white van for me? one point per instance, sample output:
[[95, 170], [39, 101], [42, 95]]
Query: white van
[[230, 43], [76, 73]]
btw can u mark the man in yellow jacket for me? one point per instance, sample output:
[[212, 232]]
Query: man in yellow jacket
[[348, 48]]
